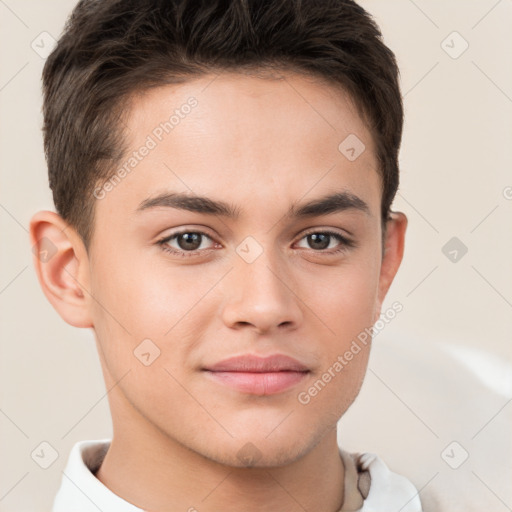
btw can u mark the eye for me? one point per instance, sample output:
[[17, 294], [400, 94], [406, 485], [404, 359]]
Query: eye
[[186, 243], [319, 241], [192, 243]]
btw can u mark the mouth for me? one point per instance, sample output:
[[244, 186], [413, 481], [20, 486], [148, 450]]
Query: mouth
[[258, 375]]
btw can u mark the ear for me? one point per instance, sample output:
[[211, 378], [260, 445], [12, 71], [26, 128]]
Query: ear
[[62, 266], [392, 257]]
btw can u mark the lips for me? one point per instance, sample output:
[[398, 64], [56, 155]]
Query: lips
[[255, 364], [258, 375]]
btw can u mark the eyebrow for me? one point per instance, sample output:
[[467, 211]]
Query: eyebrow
[[336, 202]]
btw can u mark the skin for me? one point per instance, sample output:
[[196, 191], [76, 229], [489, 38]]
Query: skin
[[261, 145]]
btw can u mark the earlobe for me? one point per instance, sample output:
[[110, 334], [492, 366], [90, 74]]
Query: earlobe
[[393, 253], [61, 265]]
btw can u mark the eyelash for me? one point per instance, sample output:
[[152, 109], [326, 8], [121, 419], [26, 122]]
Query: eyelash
[[345, 243]]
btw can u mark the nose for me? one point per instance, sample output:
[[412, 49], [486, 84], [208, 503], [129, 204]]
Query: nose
[[261, 296]]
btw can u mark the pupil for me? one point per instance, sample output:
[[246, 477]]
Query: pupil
[[189, 241], [319, 240]]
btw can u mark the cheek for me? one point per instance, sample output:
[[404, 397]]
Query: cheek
[[146, 294], [335, 386], [137, 300], [345, 302], [344, 299]]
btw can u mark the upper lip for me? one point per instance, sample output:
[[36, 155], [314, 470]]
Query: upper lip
[[256, 364]]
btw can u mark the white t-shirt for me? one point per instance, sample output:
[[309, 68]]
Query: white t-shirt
[[369, 485]]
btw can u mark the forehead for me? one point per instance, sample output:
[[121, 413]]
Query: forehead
[[290, 105], [239, 136]]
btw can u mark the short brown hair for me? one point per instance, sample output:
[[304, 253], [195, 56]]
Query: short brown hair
[[111, 49]]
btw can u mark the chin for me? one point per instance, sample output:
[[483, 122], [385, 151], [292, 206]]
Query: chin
[[254, 450], [251, 456]]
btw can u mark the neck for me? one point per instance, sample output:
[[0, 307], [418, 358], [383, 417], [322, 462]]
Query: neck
[[154, 472]]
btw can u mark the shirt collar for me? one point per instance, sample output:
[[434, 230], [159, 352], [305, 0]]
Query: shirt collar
[[80, 490]]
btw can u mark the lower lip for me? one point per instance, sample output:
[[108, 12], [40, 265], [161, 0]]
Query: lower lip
[[259, 383]]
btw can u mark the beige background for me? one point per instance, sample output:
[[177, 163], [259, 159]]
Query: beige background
[[440, 371]]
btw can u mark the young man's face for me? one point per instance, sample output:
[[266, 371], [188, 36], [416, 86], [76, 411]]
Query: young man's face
[[250, 283]]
